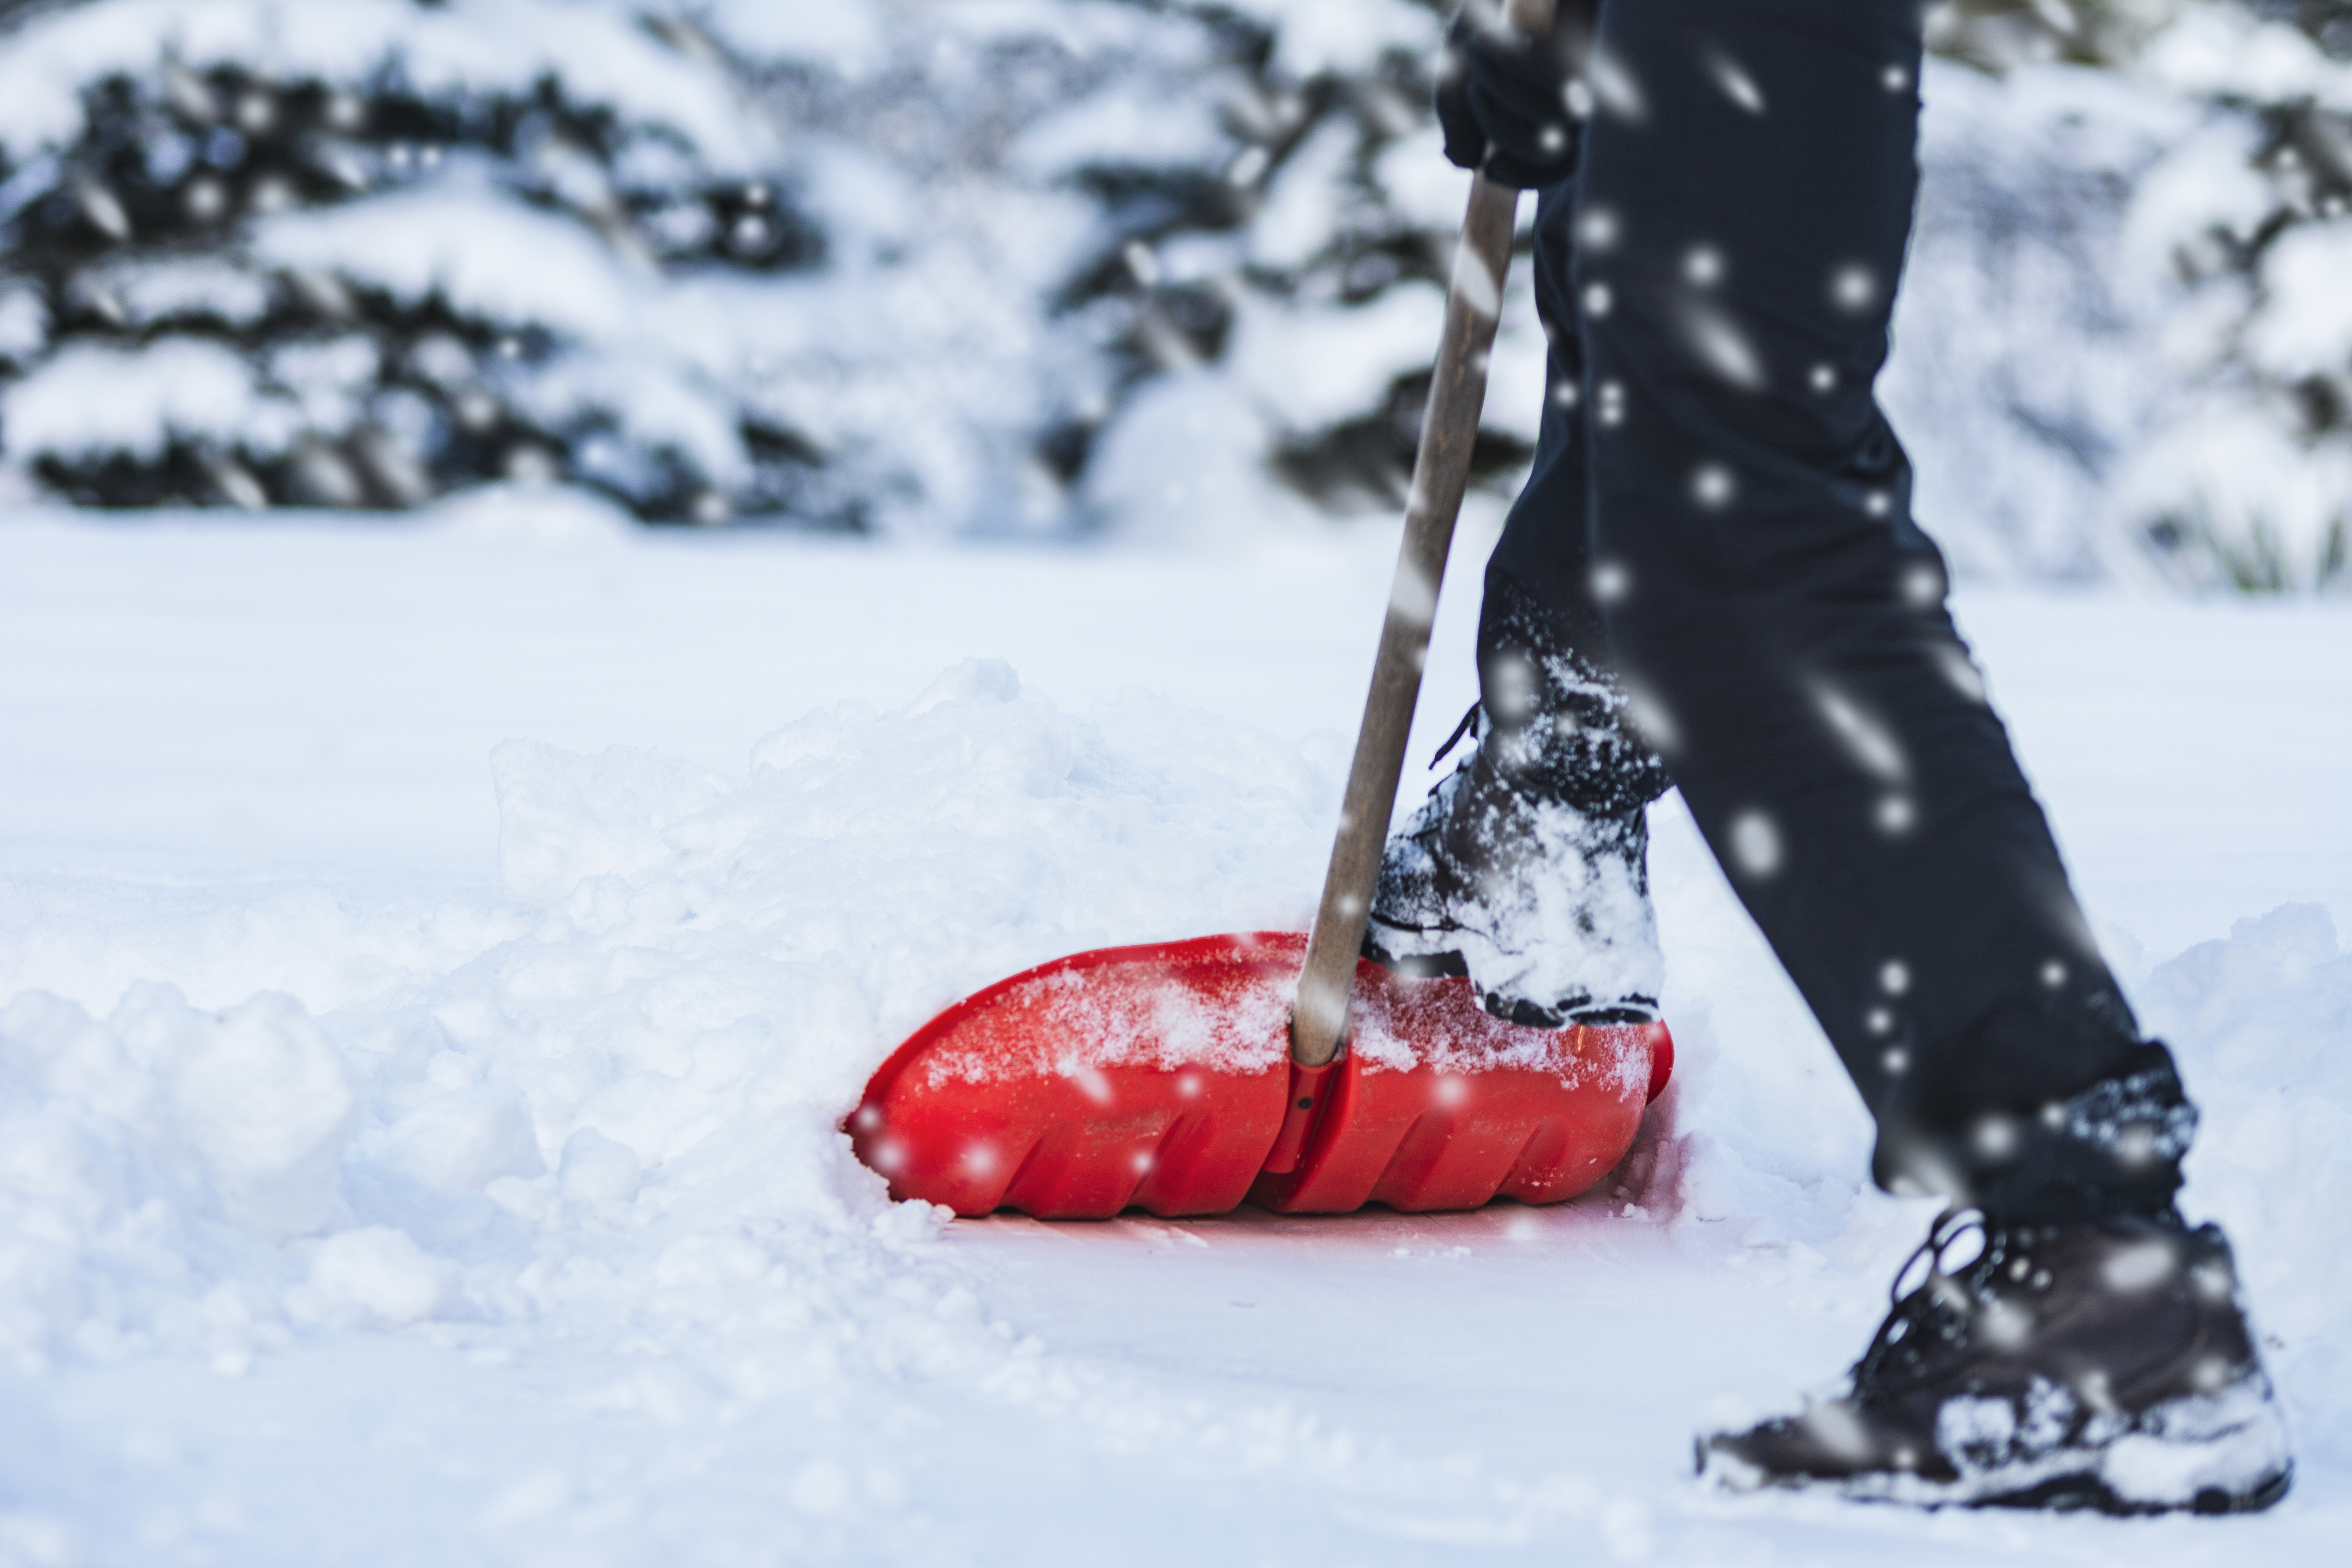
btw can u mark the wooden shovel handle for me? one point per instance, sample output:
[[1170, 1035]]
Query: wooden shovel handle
[[1441, 472]]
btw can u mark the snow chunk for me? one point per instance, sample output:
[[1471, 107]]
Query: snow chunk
[[266, 1105], [380, 1275], [462, 1141], [564, 817], [597, 1169], [150, 1162]]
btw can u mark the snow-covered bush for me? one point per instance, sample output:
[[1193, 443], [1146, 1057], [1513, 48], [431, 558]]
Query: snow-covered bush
[[2129, 318], [1195, 203], [2024, 363], [1163, 265], [879, 263], [2251, 484], [1282, 279], [355, 253], [1228, 222]]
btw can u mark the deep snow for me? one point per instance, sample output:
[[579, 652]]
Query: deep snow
[[415, 1118]]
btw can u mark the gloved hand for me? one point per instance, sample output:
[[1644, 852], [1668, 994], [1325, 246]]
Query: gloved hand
[[1505, 101]]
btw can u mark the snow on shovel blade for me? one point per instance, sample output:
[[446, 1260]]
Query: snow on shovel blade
[[1160, 1077], [1149, 1076]]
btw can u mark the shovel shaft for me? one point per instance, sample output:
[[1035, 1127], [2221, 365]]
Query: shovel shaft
[[1441, 472]]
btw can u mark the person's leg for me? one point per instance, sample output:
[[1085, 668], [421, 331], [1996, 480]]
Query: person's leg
[[1747, 187], [1544, 557], [1539, 613], [1747, 198], [1525, 869]]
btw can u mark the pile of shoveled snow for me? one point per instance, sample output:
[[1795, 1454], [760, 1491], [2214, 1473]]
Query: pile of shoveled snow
[[2262, 1021], [629, 1094]]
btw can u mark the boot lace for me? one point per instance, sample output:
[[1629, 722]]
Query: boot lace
[[1469, 727], [1930, 1326]]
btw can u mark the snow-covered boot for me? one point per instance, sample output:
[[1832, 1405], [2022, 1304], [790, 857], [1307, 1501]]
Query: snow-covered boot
[[1526, 868], [2104, 1364]]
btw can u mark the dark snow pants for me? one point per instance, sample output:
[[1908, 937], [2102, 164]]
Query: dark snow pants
[[1721, 511]]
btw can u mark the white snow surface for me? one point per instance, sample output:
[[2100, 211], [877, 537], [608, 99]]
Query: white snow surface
[[433, 960]]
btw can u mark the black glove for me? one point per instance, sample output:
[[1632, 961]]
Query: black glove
[[1505, 101]]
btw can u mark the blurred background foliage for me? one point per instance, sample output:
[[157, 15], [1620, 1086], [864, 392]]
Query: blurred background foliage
[[1047, 267]]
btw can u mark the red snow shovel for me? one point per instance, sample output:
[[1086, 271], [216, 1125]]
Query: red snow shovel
[[1185, 1078]]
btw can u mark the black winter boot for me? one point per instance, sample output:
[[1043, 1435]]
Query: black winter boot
[[2103, 1364], [1526, 869]]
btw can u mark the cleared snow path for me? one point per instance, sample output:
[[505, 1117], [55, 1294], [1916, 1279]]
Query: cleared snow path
[[413, 1153]]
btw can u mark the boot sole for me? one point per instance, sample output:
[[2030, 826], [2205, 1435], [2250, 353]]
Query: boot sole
[[2070, 1480]]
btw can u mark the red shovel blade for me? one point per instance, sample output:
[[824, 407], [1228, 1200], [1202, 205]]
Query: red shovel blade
[[1147, 1076], [1158, 1077], [1439, 1105]]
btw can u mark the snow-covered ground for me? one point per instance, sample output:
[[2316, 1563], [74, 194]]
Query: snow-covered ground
[[357, 1205]]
